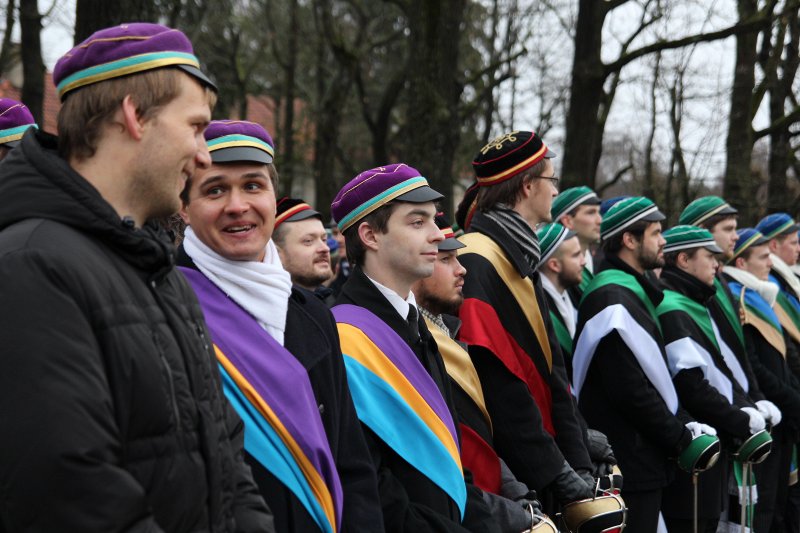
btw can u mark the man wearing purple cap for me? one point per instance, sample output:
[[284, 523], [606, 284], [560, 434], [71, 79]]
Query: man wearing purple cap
[[506, 323], [15, 119], [113, 414], [276, 344], [394, 369]]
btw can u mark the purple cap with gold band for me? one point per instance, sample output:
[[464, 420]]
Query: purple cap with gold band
[[126, 49], [15, 119], [376, 187], [230, 141], [508, 155]]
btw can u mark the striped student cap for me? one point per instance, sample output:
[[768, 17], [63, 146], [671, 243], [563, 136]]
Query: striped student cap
[[627, 212], [686, 237], [705, 207], [571, 198]]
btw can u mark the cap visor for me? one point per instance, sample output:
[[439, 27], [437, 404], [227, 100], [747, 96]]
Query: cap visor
[[302, 215], [11, 144], [655, 216], [728, 210], [448, 245], [761, 240], [197, 73], [713, 248], [550, 154], [240, 153], [420, 195]]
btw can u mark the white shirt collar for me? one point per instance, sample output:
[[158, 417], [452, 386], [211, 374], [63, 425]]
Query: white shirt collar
[[589, 261], [400, 305], [563, 303]]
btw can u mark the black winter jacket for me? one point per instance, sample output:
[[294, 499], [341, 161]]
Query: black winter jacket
[[112, 412]]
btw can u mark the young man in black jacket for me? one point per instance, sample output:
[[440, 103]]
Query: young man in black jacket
[[112, 408], [396, 374], [707, 376], [620, 373]]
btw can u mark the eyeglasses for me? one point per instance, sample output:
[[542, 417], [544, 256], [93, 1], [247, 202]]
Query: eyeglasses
[[553, 180]]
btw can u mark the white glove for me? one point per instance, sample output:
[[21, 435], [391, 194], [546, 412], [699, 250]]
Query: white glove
[[770, 411], [698, 429], [757, 422]]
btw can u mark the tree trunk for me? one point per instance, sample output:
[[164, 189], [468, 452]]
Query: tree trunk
[[288, 163], [433, 104], [32, 65], [5, 53], [581, 147], [739, 187], [93, 15]]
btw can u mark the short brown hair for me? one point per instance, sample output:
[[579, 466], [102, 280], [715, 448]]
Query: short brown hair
[[613, 244], [716, 219], [509, 191], [378, 220], [671, 258], [86, 110]]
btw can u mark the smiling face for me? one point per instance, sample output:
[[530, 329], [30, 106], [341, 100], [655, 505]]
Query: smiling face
[[442, 291], [304, 252], [231, 209], [173, 149]]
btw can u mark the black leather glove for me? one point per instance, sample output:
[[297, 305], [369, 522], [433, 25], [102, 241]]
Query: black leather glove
[[568, 486], [600, 453]]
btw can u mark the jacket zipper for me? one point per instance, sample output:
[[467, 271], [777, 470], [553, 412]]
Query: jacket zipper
[[172, 396]]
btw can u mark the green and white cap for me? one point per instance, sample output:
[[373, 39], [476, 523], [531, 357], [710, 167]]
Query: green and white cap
[[627, 212], [550, 238], [686, 237], [704, 208], [571, 198]]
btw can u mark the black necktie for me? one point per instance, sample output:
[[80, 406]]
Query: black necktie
[[413, 321]]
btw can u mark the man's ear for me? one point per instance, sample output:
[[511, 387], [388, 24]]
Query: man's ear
[[133, 125], [368, 236], [629, 241], [185, 215], [566, 221], [554, 264], [739, 263]]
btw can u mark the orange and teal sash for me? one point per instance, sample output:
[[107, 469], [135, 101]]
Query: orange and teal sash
[[398, 400], [271, 392]]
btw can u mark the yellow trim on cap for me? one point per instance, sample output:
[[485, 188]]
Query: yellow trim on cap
[[515, 169]]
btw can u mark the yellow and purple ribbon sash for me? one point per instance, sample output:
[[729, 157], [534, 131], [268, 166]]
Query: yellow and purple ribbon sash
[[398, 400], [271, 392]]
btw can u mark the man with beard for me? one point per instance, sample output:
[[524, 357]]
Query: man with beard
[[505, 323], [578, 210], [766, 341], [394, 369], [302, 243], [113, 414], [620, 375], [562, 267], [706, 374], [439, 297]]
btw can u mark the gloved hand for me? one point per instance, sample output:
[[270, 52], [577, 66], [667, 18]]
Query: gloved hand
[[770, 411], [600, 453], [698, 429], [757, 422], [568, 486]]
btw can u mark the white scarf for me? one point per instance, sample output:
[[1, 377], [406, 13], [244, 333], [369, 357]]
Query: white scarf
[[260, 288], [766, 289], [563, 304], [795, 269], [786, 273]]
